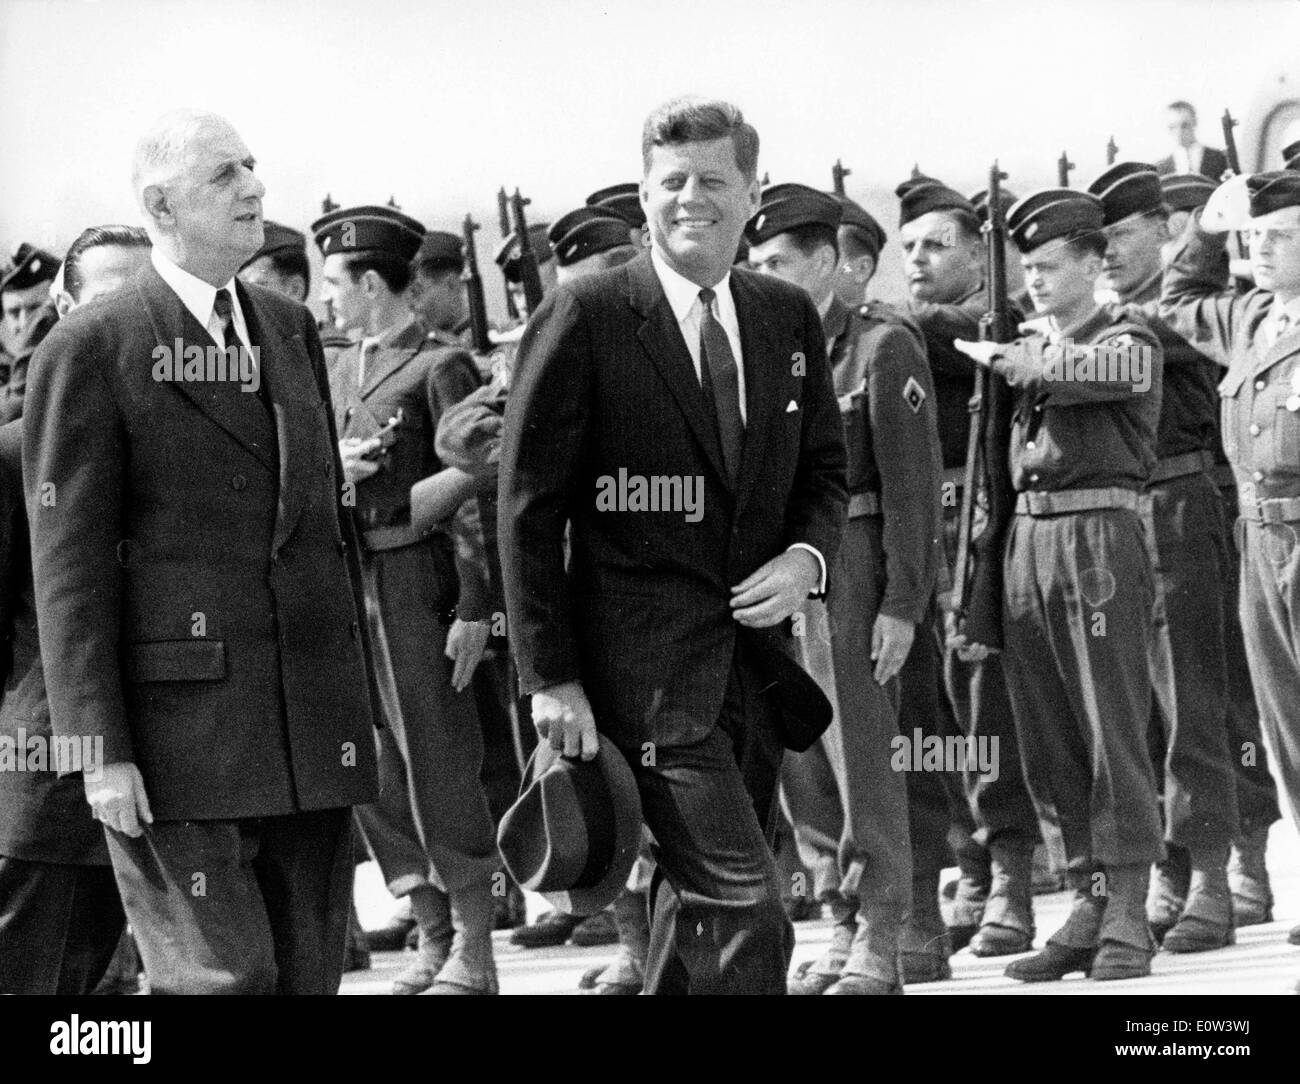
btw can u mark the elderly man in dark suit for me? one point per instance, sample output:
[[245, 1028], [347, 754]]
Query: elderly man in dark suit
[[197, 588], [707, 387]]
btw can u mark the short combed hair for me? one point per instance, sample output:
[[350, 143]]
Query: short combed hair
[[98, 237], [1185, 107], [701, 120], [810, 236], [292, 262], [160, 154], [395, 271], [1091, 243], [857, 242]]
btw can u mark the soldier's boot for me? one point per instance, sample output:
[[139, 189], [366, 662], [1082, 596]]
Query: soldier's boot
[[1047, 878], [874, 964], [625, 975], [970, 896], [1008, 925], [431, 910], [1126, 944], [1206, 922], [924, 943], [470, 968], [1074, 945], [1252, 892], [814, 977], [1168, 891]]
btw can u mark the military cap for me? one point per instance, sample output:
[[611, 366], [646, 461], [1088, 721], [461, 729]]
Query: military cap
[[920, 195], [30, 267], [855, 216], [585, 232], [279, 239], [1185, 191], [1273, 191], [507, 253], [1127, 189], [786, 206], [979, 199], [1053, 214], [1291, 155], [354, 229], [441, 247], [622, 199]]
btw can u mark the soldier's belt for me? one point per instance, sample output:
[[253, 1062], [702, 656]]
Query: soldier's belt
[[864, 504], [378, 539], [1179, 466], [1271, 510], [1064, 501]]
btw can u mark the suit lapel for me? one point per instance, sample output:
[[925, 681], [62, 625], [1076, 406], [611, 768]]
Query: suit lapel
[[223, 402], [662, 339], [387, 360], [762, 371], [286, 372]]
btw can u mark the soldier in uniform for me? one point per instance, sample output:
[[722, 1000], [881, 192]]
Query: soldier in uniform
[[281, 263], [1257, 335], [28, 316], [1078, 582], [625, 201], [860, 238], [437, 293], [881, 591], [431, 830], [507, 258], [1190, 907], [991, 819]]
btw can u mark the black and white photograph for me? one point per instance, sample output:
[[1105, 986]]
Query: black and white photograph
[[605, 498]]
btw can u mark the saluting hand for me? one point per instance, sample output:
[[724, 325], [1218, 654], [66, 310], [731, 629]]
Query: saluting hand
[[117, 798], [563, 717]]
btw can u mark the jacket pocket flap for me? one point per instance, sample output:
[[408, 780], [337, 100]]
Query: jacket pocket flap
[[177, 660], [1231, 384]]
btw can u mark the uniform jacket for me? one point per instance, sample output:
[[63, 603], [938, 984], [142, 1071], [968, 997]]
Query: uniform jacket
[[1261, 434], [887, 402], [43, 816], [1082, 433], [604, 383], [196, 580], [413, 374]]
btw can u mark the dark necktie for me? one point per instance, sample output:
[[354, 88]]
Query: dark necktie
[[224, 307], [719, 371]]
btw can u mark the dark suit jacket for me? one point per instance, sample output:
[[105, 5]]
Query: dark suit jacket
[[604, 382], [1214, 163], [196, 580], [43, 816]]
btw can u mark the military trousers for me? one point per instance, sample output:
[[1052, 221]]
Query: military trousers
[[1077, 618]]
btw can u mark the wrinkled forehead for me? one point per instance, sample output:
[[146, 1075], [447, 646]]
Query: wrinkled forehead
[[938, 227], [1284, 218], [214, 142]]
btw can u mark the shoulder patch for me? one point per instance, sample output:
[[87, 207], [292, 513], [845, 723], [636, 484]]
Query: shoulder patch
[[914, 394]]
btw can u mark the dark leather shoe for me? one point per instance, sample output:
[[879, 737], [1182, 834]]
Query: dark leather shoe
[[961, 936], [1117, 960], [919, 967], [1193, 934], [390, 938], [851, 984], [597, 929], [1052, 964], [553, 928], [995, 940], [420, 974], [805, 982]]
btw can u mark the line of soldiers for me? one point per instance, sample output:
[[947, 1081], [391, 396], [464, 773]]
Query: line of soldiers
[[1103, 658]]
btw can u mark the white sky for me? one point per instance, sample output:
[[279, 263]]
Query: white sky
[[440, 103]]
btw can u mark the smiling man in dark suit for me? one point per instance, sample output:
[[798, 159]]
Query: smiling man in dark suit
[[681, 371], [197, 590]]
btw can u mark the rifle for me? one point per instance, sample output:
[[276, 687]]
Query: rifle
[[528, 274], [327, 205], [478, 321], [1112, 151], [503, 221], [977, 591], [1063, 167], [838, 173], [1234, 165]]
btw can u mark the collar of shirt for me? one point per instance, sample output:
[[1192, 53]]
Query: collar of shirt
[[387, 335], [1188, 159], [1275, 313], [684, 299], [200, 297]]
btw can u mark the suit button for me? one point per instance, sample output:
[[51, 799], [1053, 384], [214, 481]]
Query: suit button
[[1030, 445], [347, 415], [341, 546], [238, 482], [325, 468], [1033, 478], [1254, 430], [1258, 476], [1260, 385], [355, 630]]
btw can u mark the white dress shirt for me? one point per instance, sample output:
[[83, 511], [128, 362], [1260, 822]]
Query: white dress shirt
[[200, 298], [684, 298], [1188, 159]]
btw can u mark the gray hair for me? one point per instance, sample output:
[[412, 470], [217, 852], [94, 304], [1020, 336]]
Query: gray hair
[[161, 153]]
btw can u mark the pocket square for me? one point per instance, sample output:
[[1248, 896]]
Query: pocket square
[[792, 407]]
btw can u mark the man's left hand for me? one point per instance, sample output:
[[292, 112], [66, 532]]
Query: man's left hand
[[776, 589], [891, 642], [466, 641]]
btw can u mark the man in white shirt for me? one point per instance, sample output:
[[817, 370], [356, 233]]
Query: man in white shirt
[[1189, 155]]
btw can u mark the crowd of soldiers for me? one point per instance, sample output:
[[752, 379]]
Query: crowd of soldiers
[[1070, 545]]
